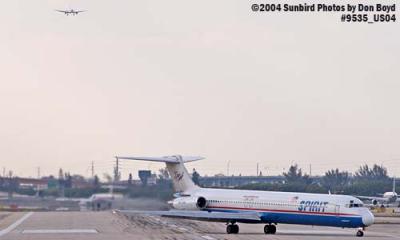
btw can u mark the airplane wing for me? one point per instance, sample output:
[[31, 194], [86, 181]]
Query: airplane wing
[[79, 11], [63, 11], [199, 215], [380, 199]]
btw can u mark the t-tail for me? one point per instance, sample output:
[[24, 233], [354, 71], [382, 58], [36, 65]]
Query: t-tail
[[175, 165]]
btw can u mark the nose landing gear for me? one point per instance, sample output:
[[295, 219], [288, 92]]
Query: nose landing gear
[[232, 229], [360, 232], [270, 229]]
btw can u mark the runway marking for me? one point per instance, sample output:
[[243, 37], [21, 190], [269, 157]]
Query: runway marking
[[379, 234], [15, 224], [333, 232], [208, 237], [34, 231]]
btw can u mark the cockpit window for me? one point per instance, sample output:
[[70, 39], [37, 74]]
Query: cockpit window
[[354, 205]]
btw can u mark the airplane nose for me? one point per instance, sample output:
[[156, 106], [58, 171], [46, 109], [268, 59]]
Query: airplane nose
[[368, 218]]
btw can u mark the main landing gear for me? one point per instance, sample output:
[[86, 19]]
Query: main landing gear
[[232, 228], [270, 229]]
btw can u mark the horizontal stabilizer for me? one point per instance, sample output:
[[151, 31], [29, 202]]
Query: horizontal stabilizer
[[199, 215], [166, 159]]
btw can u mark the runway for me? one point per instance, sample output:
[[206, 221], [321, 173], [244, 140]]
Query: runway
[[109, 225]]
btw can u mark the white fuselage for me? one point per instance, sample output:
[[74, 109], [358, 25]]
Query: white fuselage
[[282, 207], [391, 196]]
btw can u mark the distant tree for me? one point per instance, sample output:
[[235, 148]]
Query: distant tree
[[376, 173], [60, 178], [96, 182], [163, 173], [108, 178], [61, 183], [295, 175], [370, 181], [78, 178], [11, 184], [60, 174], [195, 176], [130, 179], [68, 180], [335, 180]]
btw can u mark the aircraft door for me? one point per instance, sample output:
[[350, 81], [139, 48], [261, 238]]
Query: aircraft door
[[337, 210]]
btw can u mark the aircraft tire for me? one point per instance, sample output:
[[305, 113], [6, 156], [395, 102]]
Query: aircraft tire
[[359, 233], [266, 229], [272, 229], [229, 229], [235, 228], [269, 229], [232, 229]]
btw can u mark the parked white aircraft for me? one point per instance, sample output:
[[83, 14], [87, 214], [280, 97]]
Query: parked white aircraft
[[96, 201], [388, 198], [244, 206], [70, 11]]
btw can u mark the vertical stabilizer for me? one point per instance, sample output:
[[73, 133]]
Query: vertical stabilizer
[[180, 177]]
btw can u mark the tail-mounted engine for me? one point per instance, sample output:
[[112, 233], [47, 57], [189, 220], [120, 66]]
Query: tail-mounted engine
[[189, 203]]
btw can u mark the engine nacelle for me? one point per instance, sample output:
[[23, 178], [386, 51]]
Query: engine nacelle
[[375, 202], [189, 203]]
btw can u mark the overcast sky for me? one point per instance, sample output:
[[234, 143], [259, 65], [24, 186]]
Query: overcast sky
[[207, 78]]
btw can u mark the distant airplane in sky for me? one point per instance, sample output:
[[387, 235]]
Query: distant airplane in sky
[[245, 206], [71, 11]]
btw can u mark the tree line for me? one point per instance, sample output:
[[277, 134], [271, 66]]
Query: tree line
[[366, 180]]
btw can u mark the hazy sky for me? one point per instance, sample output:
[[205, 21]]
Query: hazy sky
[[207, 78]]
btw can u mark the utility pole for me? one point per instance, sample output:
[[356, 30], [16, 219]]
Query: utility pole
[[116, 170], [38, 172], [257, 170], [310, 170], [227, 168], [4, 172], [92, 169]]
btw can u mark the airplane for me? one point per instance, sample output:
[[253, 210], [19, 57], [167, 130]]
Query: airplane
[[100, 201], [245, 206], [96, 201], [71, 11], [388, 198]]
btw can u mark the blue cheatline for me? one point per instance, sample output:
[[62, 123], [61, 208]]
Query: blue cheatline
[[302, 218]]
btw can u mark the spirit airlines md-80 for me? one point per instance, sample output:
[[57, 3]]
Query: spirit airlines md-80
[[244, 206]]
